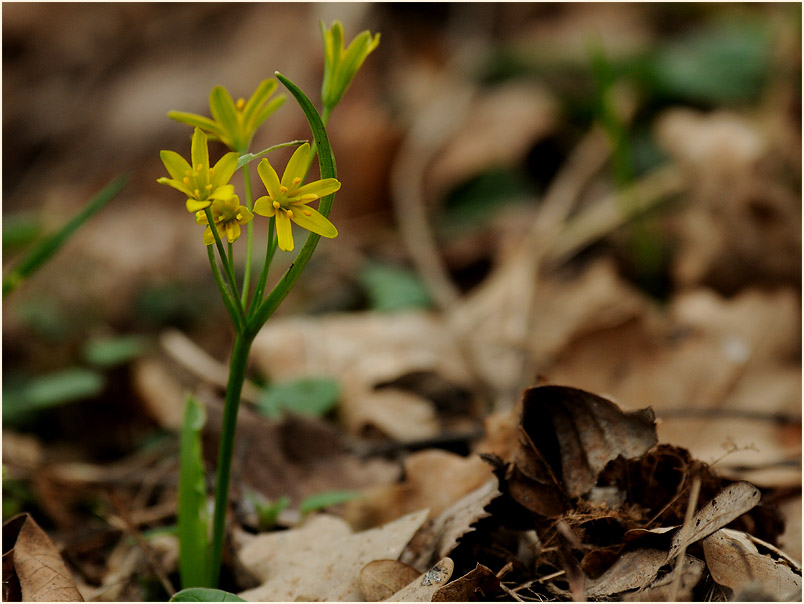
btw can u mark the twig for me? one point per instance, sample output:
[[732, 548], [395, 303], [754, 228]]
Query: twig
[[692, 504], [132, 530]]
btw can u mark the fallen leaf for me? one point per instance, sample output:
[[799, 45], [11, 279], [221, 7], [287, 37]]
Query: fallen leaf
[[381, 579], [736, 563], [39, 568], [633, 570], [478, 585], [663, 589], [425, 585], [322, 559], [733, 501]]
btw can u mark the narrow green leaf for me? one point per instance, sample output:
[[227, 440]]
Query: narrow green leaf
[[205, 594], [305, 396], [42, 252], [111, 351], [247, 158], [50, 390], [193, 516], [319, 501], [392, 288]]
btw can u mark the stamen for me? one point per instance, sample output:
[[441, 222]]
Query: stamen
[[198, 167], [241, 102], [276, 205], [289, 213], [211, 172], [283, 189], [187, 180], [307, 212], [208, 187], [296, 180], [187, 173], [197, 192]]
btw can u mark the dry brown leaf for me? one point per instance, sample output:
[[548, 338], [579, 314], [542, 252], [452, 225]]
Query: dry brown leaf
[[380, 579], [39, 568], [735, 562], [478, 585], [663, 589], [633, 570], [436, 539], [425, 585], [733, 501], [322, 559]]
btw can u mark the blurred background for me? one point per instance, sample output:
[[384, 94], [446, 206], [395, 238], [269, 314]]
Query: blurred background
[[606, 196]]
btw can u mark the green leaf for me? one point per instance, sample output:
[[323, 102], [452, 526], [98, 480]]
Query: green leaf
[[268, 511], [111, 351], [391, 288], [19, 230], [246, 158], [305, 396], [50, 390], [205, 594], [319, 501], [42, 252], [193, 516], [724, 63]]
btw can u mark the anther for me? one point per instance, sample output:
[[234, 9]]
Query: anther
[[276, 205], [241, 102], [208, 187], [198, 167], [296, 180], [289, 213], [283, 189], [211, 172], [197, 192], [307, 212], [187, 180]]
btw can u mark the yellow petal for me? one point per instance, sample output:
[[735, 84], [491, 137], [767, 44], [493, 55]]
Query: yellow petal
[[199, 152], [319, 188], [223, 170], [314, 222], [176, 165], [209, 238], [193, 205], [297, 166], [224, 192], [284, 233], [268, 176], [264, 206], [232, 231]]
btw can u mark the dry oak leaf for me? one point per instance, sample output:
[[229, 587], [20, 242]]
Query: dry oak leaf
[[424, 587], [322, 559], [39, 568], [735, 562], [381, 579]]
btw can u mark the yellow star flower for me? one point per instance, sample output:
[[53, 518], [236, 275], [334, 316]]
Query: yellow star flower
[[198, 181], [287, 199], [228, 215], [234, 123]]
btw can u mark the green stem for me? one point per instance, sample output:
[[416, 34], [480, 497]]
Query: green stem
[[249, 238], [227, 266], [237, 375], [270, 248], [226, 295]]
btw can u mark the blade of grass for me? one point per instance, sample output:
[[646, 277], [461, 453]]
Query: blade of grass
[[42, 252]]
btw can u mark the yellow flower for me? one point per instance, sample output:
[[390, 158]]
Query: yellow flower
[[198, 181], [341, 64], [228, 215], [287, 199], [234, 124]]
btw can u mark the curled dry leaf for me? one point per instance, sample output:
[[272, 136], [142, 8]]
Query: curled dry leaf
[[733, 501], [39, 569], [425, 585], [380, 579], [633, 570], [664, 588], [478, 585], [736, 563]]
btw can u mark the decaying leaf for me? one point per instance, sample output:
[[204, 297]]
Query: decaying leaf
[[478, 585], [39, 569], [733, 501], [322, 559], [381, 579], [736, 563], [633, 570], [425, 585], [665, 587]]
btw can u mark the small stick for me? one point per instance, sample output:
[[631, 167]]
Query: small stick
[[692, 504]]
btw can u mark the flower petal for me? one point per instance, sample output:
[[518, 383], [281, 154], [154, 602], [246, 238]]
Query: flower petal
[[269, 177], [193, 205], [197, 121], [176, 165], [199, 151], [264, 89], [209, 238], [223, 111], [178, 185], [319, 188], [315, 222], [232, 231], [223, 171], [201, 217], [264, 206], [245, 215], [297, 166], [224, 192], [284, 233]]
